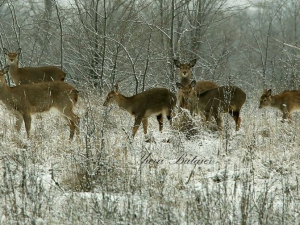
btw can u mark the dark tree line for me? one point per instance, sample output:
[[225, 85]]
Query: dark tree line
[[134, 42]]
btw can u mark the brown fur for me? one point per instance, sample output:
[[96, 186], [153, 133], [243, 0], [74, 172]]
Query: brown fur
[[202, 86], [214, 102], [29, 75], [155, 101], [25, 100], [287, 102], [185, 80]]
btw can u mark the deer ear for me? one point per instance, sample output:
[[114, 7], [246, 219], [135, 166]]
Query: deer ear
[[269, 92], [193, 84], [177, 63], [193, 63], [18, 51], [179, 85], [5, 51]]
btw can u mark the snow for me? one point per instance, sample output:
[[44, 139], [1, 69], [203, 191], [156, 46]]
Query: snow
[[103, 179]]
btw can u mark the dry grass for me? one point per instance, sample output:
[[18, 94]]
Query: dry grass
[[250, 174]]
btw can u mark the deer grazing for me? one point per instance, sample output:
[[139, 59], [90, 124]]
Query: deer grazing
[[29, 75], [214, 102], [287, 102], [185, 80], [155, 101], [25, 100]]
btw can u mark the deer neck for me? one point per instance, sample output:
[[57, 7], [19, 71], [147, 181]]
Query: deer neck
[[124, 102], [193, 98], [185, 81], [276, 101], [13, 67]]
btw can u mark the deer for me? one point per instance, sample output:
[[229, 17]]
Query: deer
[[185, 79], [155, 101], [29, 75], [215, 102], [28, 99], [287, 102]]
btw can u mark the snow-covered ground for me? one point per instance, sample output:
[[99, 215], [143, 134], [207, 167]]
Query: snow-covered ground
[[105, 177]]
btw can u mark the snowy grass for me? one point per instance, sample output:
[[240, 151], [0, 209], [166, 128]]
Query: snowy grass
[[103, 177]]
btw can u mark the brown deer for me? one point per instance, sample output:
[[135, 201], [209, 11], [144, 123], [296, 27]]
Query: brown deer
[[27, 99], [29, 75], [155, 101], [185, 80], [287, 102], [214, 102]]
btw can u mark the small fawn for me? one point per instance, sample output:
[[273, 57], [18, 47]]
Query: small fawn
[[185, 79], [214, 102], [25, 100], [155, 101], [29, 75], [287, 102]]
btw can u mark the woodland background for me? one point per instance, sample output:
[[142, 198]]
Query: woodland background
[[100, 42]]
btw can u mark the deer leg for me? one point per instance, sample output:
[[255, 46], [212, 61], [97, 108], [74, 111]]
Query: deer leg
[[207, 117], [19, 121], [145, 125], [286, 113], [284, 116], [290, 118], [73, 122], [72, 127], [27, 120], [169, 116], [237, 119], [219, 121], [76, 122], [160, 120], [137, 122]]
